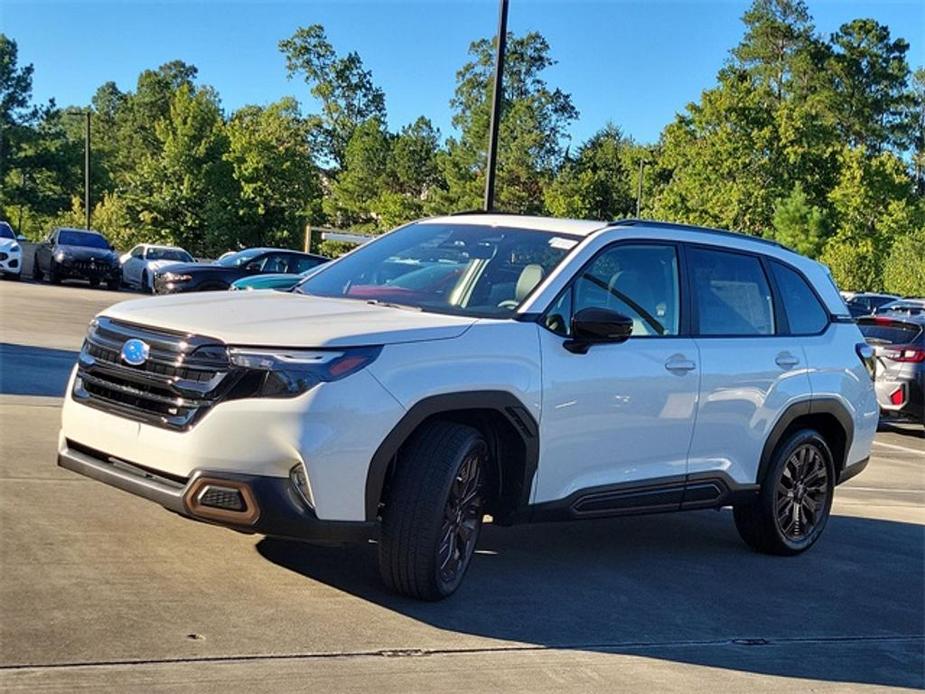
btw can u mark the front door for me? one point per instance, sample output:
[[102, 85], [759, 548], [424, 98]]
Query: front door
[[622, 414]]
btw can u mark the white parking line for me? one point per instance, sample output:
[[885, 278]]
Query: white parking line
[[898, 448]]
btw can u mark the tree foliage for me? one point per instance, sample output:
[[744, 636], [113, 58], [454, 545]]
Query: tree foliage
[[815, 141]]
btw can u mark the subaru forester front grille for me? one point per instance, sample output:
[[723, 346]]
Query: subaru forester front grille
[[181, 377]]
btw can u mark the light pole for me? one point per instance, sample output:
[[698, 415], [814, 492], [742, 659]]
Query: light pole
[[642, 167], [497, 98]]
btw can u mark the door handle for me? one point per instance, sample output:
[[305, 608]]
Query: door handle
[[786, 360], [679, 364]]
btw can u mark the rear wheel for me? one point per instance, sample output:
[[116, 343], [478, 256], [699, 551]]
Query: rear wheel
[[433, 515], [793, 506]]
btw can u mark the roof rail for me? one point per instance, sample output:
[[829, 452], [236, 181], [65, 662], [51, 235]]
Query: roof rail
[[465, 212], [692, 227]]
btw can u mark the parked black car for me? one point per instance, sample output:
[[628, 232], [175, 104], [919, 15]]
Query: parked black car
[[899, 350], [77, 254], [200, 277], [867, 303]]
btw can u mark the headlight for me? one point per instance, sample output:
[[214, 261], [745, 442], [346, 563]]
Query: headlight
[[14, 248], [285, 373], [60, 256], [174, 277]]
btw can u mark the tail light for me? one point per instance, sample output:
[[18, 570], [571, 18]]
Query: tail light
[[866, 354], [905, 354], [897, 397]]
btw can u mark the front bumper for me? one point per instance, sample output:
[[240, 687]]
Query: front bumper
[[260, 504], [88, 271], [10, 263]]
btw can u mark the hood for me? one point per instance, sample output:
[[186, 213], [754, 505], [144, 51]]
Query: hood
[[163, 264], [189, 267], [87, 253], [281, 319]]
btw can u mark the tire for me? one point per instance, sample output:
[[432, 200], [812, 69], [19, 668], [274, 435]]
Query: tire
[[53, 273], [795, 500], [36, 270], [114, 285], [94, 282], [428, 536], [144, 284]]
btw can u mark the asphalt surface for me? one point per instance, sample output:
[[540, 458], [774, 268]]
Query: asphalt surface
[[100, 590]]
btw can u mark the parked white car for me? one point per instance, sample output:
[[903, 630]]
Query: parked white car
[[140, 263], [10, 253], [546, 369]]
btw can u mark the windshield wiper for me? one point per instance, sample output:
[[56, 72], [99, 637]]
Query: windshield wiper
[[391, 304]]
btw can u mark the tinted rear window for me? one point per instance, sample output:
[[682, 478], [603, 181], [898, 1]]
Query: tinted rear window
[[894, 334], [805, 314]]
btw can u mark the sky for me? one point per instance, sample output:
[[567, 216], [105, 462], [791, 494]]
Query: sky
[[635, 64]]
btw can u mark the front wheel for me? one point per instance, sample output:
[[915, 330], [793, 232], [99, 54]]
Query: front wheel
[[36, 269], [53, 275], [433, 513], [793, 506]]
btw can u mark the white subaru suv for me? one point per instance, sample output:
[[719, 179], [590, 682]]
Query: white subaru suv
[[526, 368]]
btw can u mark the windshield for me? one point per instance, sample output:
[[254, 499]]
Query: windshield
[[6, 231], [81, 238], [177, 254], [240, 258], [466, 269]]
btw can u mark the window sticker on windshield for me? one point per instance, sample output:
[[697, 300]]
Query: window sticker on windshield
[[563, 244]]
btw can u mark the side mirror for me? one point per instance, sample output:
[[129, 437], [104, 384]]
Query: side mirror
[[595, 326], [20, 237]]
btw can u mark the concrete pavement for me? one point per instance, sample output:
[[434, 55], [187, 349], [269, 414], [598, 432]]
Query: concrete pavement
[[103, 591]]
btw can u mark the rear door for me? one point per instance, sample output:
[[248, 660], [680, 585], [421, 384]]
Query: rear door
[[751, 368]]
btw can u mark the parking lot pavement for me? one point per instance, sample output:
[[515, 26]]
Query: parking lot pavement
[[101, 590]]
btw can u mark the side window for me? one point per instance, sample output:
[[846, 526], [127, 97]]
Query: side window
[[137, 252], [301, 263], [275, 262], [639, 281], [731, 293], [805, 314]]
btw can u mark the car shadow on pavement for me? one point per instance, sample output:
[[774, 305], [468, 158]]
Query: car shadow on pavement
[[27, 370], [680, 587]]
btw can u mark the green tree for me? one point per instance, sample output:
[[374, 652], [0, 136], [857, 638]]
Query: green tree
[[904, 271], [800, 225], [595, 184], [871, 204], [363, 178], [870, 94], [533, 129], [777, 46], [184, 191], [344, 88], [271, 160]]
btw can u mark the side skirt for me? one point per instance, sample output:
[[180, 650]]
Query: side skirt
[[662, 495]]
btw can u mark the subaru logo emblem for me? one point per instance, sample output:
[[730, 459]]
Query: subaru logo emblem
[[135, 352]]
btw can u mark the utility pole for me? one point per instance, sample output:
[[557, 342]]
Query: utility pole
[[87, 171], [642, 166], [497, 99]]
